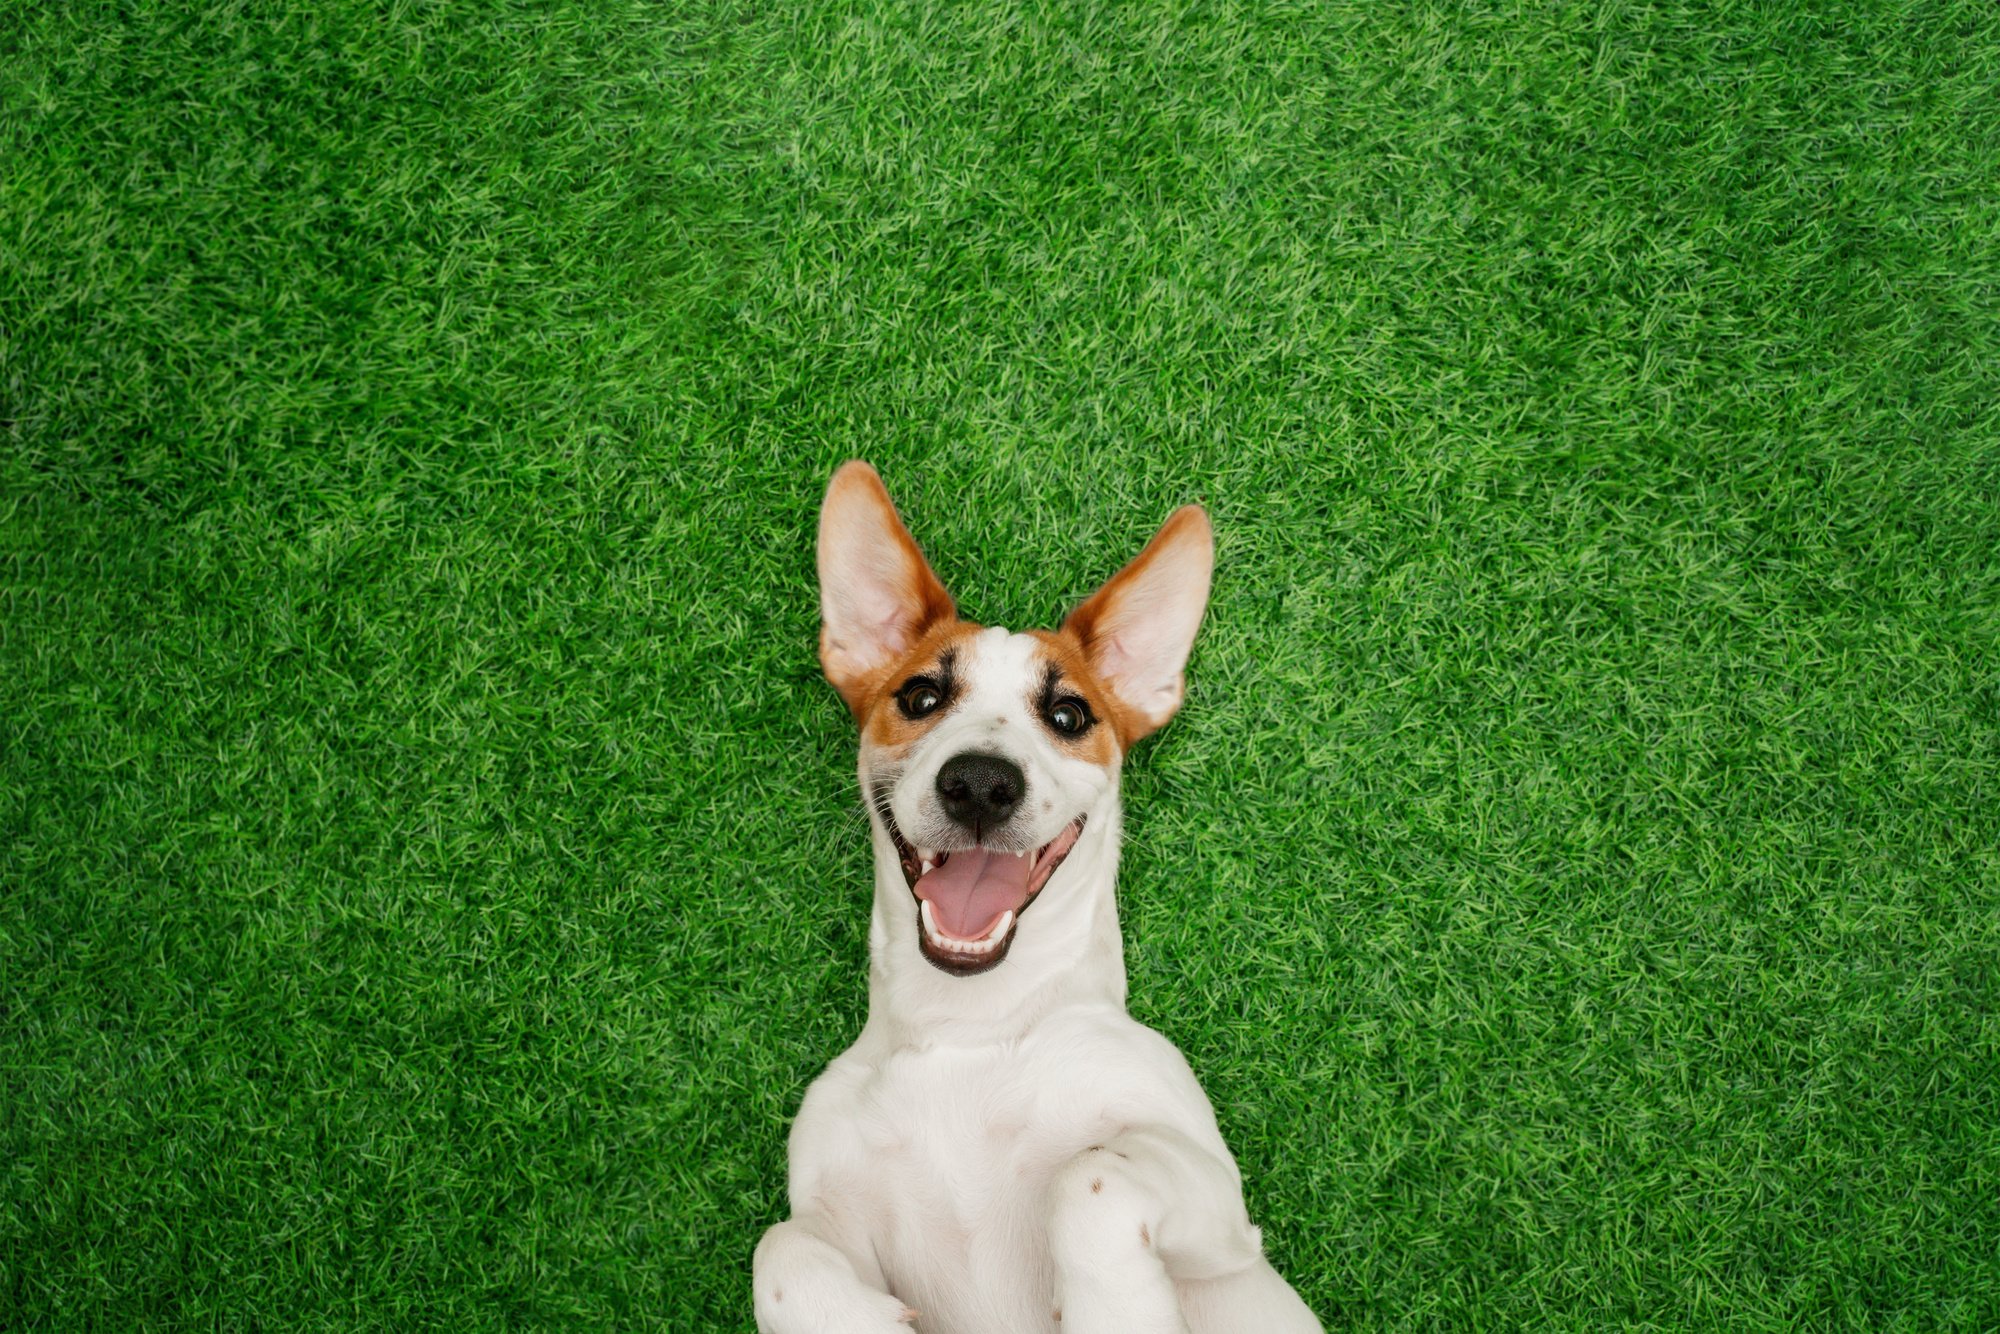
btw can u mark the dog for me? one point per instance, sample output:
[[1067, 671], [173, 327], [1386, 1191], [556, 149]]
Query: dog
[[1004, 1148]]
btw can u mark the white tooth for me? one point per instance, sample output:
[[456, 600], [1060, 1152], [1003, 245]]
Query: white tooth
[[926, 871], [930, 922], [1000, 927]]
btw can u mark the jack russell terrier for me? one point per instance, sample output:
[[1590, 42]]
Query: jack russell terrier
[[1004, 1148]]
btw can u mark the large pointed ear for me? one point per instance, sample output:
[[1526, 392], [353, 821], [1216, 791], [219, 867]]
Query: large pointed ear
[[1138, 628], [877, 594]]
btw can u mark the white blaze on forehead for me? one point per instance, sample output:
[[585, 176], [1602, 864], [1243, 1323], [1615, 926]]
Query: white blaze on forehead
[[1000, 675], [1003, 689]]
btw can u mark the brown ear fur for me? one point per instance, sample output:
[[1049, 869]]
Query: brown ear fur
[[1159, 597], [878, 595]]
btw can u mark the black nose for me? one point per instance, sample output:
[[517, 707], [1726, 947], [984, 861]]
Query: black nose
[[980, 790]]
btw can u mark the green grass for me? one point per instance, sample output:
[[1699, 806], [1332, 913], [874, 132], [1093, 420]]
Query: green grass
[[429, 865]]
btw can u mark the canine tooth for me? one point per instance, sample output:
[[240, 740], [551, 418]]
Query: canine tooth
[[930, 922], [999, 930], [926, 871]]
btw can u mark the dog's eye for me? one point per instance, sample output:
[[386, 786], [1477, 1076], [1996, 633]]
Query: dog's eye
[[918, 698], [1071, 717]]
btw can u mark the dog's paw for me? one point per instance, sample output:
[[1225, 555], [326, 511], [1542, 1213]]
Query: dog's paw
[[801, 1284], [836, 1308]]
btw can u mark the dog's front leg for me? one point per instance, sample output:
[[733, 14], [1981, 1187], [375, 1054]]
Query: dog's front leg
[[801, 1283], [1130, 1216]]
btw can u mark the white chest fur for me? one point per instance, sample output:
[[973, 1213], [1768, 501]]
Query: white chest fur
[[937, 1162]]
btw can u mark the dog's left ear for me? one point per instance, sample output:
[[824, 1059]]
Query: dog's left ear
[[877, 595], [1137, 629]]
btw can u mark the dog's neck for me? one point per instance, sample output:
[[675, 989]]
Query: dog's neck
[[1067, 951]]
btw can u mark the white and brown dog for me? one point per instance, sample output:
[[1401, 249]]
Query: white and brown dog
[[1004, 1148]]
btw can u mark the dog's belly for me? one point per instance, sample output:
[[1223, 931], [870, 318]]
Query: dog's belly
[[937, 1163], [963, 1203]]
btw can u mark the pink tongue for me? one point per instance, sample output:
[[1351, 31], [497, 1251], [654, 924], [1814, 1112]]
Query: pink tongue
[[970, 891]]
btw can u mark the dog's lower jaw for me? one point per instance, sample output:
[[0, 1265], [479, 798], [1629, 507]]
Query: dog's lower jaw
[[1066, 950]]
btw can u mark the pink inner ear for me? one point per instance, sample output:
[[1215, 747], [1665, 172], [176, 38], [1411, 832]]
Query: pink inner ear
[[1146, 652], [1138, 628], [884, 617], [1114, 661], [1125, 673], [881, 630], [892, 638]]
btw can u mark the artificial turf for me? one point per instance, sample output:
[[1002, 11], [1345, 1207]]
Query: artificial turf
[[429, 865]]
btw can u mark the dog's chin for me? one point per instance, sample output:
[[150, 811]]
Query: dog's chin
[[969, 913], [960, 961]]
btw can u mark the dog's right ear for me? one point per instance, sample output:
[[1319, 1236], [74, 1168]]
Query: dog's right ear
[[877, 595]]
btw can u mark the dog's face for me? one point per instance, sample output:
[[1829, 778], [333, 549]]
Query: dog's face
[[983, 752]]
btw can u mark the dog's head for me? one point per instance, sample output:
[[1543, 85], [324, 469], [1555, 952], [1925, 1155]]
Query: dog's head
[[984, 752]]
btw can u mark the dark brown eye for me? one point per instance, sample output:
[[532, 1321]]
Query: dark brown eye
[[918, 698], [1071, 717]]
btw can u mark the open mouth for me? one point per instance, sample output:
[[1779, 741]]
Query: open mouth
[[970, 900]]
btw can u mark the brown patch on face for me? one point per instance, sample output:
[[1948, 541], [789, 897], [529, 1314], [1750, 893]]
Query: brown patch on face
[[883, 724], [1101, 744]]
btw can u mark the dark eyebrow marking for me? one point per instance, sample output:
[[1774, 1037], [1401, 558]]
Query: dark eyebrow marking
[[942, 678], [1050, 680]]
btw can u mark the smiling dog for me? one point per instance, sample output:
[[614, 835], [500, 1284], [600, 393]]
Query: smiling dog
[[1004, 1148]]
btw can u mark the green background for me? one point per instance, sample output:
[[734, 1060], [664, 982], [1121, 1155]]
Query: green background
[[429, 865]]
